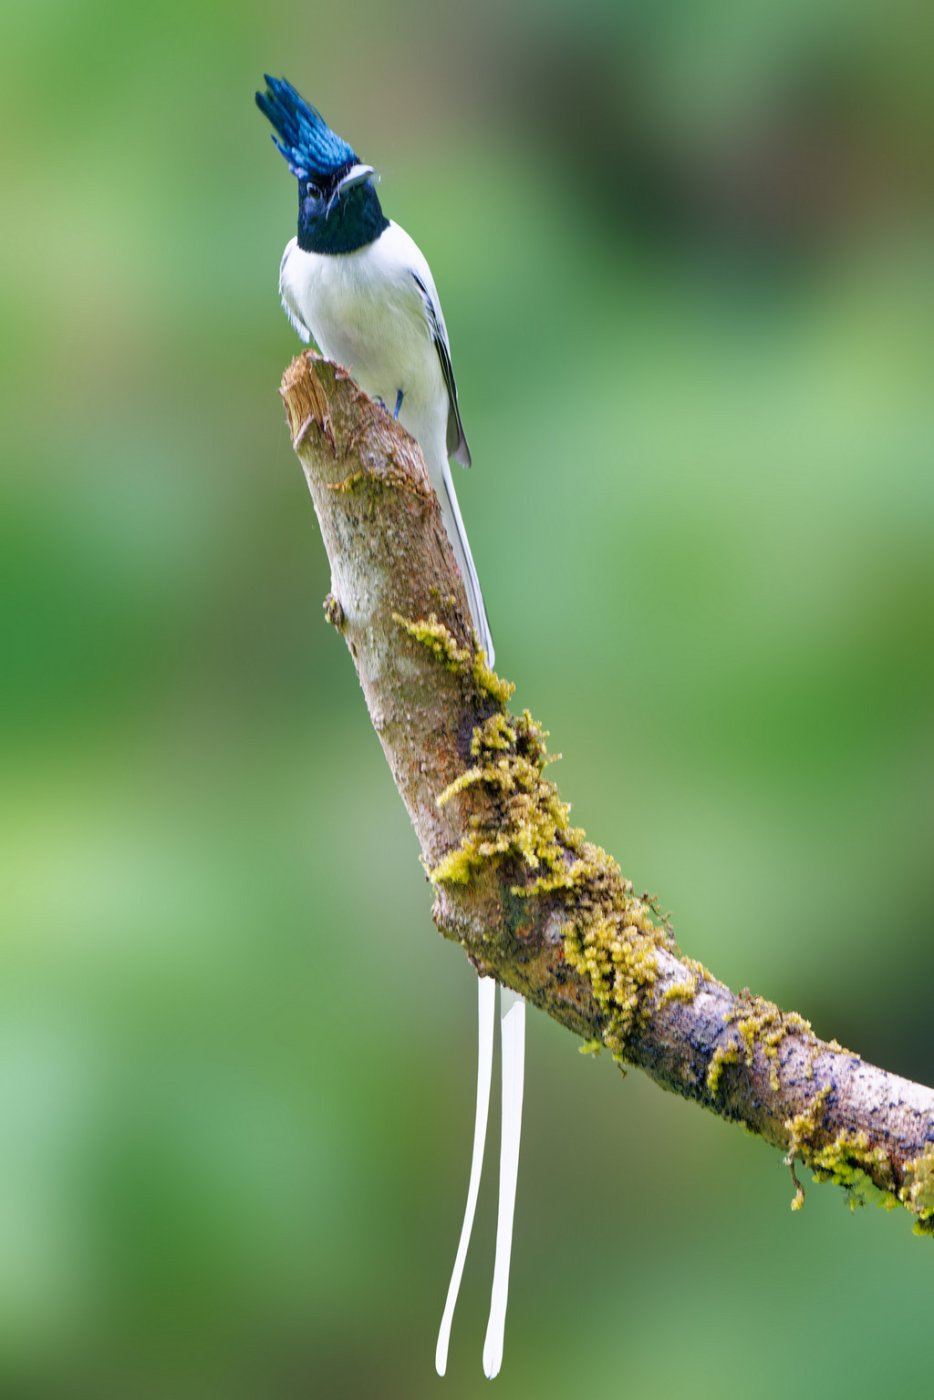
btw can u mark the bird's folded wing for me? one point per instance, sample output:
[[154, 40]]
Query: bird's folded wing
[[456, 439]]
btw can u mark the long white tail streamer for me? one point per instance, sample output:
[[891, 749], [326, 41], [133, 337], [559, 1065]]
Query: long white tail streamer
[[457, 534], [486, 1008], [512, 1012]]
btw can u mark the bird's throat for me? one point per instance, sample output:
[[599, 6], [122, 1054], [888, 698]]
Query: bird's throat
[[355, 220]]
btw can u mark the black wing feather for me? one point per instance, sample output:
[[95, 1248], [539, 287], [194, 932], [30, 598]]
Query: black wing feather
[[456, 438]]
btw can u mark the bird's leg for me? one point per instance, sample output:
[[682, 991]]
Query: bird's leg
[[399, 397]]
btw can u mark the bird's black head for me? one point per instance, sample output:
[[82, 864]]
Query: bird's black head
[[339, 213], [338, 207]]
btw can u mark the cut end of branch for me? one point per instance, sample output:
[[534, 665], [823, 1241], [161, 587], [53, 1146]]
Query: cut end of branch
[[306, 398], [325, 408]]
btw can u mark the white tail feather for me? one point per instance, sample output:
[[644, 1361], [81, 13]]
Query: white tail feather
[[512, 1011], [486, 1007], [454, 525]]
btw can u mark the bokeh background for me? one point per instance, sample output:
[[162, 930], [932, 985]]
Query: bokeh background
[[685, 256]]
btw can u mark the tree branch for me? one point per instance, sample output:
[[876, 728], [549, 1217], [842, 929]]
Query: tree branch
[[531, 901]]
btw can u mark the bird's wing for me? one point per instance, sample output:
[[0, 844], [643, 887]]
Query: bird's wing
[[456, 439], [289, 306]]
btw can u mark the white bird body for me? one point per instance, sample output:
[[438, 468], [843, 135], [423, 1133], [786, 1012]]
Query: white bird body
[[376, 311]]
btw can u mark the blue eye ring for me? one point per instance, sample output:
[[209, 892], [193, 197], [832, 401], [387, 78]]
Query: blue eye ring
[[312, 190]]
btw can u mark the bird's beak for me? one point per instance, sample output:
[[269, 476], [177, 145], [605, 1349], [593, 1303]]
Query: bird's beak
[[355, 176]]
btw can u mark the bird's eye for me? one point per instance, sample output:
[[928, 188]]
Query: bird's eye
[[313, 190]]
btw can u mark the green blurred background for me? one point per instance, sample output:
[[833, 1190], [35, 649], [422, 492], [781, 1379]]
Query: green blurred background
[[686, 261]]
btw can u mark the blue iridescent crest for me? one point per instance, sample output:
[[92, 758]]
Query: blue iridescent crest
[[309, 145]]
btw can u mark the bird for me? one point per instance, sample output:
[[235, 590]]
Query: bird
[[357, 285]]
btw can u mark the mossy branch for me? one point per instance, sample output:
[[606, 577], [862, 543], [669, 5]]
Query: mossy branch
[[529, 898]]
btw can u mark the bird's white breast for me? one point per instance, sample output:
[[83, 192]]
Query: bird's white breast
[[376, 312], [364, 309]]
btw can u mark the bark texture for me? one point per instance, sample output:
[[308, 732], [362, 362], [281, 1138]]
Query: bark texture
[[531, 901]]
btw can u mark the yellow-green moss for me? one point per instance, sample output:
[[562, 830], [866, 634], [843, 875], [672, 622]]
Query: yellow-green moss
[[839, 1049], [439, 641], [679, 991], [804, 1128], [395, 476], [527, 819], [759, 1023], [917, 1191], [846, 1159], [496, 734], [723, 1055], [702, 973], [350, 482], [610, 936], [616, 952], [442, 644], [849, 1161], [333, 612], [486, 679]]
